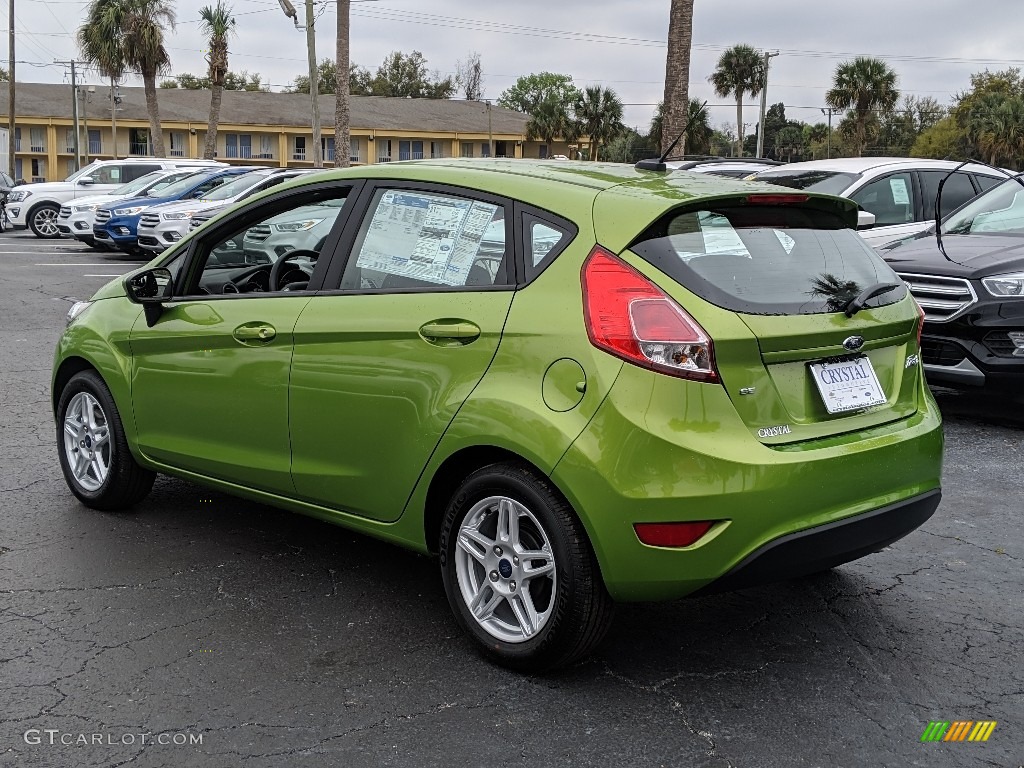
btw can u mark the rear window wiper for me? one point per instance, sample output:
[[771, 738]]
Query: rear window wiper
[[857, 304]]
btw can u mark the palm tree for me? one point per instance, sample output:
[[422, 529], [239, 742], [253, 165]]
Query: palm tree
[[217, 23], [599, 116], [740, 71], [99, 40], [131, 32], [698, 128], [342, 86], [677, 72], [789, 140], [864, 85], [550, 120]]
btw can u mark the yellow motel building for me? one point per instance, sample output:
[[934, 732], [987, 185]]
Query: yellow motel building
[[256, 128]]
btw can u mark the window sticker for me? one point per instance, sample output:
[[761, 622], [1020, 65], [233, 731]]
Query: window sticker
[[425, 237], [900, 194]]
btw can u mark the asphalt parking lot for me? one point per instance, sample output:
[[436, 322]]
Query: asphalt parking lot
[[278, 640]]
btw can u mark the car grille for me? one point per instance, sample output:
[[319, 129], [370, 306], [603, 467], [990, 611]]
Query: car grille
[[65, 211], [148, 240], [938, 352], [258, 234], [999, 343], [101, 234], [941, 298], [102, 216], [149, 220]]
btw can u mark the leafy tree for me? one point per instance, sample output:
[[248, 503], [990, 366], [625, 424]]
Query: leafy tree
[[233, 81], [470, 78], [989, 115], [942, 140], [120, 35], [599, 116], [342, 87], [406, 75], [628, 147], [217, 23], [740, 71], [551, 119], [5, 75], [360, 81], [865, 86], [327, 75], [698, 129], [677, 72], [531, 90], [789, 141]]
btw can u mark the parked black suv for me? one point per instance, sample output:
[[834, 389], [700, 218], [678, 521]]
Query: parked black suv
[[970, 284]]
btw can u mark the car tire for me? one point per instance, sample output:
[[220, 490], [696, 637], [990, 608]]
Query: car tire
[[42, 220], [94, 456], [521, 619]]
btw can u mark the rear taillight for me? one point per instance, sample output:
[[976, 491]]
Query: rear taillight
[[671, 534], [920, 323], [632, 318]]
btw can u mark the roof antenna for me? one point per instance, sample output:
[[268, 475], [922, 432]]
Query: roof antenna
[[659, 164], [938, 199]]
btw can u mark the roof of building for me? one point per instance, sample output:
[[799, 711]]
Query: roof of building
[[45, 100]]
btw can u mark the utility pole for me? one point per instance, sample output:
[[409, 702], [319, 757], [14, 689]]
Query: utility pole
[[115, 99], [764, 102], [10, 92], [828, 136], [314, 80], [490, 132], [74, 108]]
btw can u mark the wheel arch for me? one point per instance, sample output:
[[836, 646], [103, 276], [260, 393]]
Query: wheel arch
[[64, 373]]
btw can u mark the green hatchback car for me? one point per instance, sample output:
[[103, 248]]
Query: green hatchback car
[[574, 383]]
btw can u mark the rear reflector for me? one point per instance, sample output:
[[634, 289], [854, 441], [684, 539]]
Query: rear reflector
[[630, 317], [671, 534], [769, 199]]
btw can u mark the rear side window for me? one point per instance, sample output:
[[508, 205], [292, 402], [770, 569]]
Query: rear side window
[[957, 190], [767, 260], [136, 171], [543, 239]]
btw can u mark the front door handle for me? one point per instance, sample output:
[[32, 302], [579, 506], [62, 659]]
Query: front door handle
[[450, 332], [255, 333]]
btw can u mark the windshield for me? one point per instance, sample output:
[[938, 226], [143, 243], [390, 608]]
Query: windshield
[[826, 182], [235, 187], [1000, 210], [82, 171], [778, 260], [179, 188]]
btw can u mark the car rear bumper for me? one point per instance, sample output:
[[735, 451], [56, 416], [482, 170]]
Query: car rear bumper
[[826, 546], [677, 452]]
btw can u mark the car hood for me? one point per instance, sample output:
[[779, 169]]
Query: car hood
[[184, 205], [93, 200], [970, 256]]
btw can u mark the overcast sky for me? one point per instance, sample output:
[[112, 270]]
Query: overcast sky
[[934, 45]]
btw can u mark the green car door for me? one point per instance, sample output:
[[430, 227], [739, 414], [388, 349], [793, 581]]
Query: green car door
[[382, 364], [210, 376]]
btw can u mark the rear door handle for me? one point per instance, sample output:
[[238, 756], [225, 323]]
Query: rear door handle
[[255, 333], [449, 332]]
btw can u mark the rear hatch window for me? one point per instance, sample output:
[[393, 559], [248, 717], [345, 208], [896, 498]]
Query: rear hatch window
[[823, 182], [767, 260]]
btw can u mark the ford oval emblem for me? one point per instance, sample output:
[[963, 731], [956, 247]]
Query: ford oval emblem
[[854, 343]]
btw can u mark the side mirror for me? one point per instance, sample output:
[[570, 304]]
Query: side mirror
[[151, 289], [865, 220], [85, 181]]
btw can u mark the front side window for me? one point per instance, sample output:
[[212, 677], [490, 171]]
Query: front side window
[[413, 239], [109, 174], [767, 260], [890, 198], [273, 249]]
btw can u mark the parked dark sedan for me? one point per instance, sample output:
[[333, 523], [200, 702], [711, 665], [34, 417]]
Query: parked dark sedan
[[970, 284]]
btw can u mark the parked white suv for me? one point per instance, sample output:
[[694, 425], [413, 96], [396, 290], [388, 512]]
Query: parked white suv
[[37, 206], [77, 216], [899, 192]]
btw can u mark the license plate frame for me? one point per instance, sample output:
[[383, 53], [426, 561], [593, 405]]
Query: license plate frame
[[847, 384]]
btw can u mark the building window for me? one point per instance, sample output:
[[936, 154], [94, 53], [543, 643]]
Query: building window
[[384, 150], [177, 144], [70, 143], [485, 149], [37, 170], [467, 149], [36, 143], [543, 151], [95, 142], [19, 166], [327, 148], [266, 147], [501, 149], [299, 152], [353, 152], [138, 141], [71, 166], [238, 145], [437, 149], [17, 139]]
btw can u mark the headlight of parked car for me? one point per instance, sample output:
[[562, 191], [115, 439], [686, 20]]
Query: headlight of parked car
[[129, 211], [297, 226], [77, 309], [1011, 285], [84, 208], [179, 216], [18, 196]]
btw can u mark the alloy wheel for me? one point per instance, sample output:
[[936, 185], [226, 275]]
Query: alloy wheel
[[45, 222], [87, 441]]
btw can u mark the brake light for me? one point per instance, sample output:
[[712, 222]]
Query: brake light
[[770, 199], [630, 317], [671, 534], [920, 323]]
